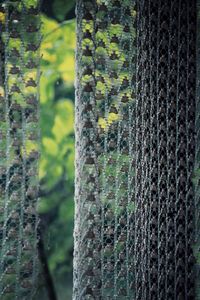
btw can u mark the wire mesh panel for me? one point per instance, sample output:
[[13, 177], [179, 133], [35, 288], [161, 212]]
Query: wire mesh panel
[[137, 209], [105, 97], [19, 78], [165, 149], [197, 162]]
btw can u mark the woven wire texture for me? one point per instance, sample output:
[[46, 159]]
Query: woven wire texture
[[137, 150], [19, 152], [165, 150], [197, 161], [105, 101]]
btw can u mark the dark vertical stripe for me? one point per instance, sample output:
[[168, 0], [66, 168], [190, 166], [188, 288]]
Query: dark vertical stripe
[[165, 122]]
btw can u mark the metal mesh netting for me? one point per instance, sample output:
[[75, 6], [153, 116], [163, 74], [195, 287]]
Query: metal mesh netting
[[104, 150], [165, 149], [197, 160], [19, 78], [137, 211]]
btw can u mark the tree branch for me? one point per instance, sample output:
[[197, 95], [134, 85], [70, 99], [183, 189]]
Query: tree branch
[[46, 272], [57, 28]]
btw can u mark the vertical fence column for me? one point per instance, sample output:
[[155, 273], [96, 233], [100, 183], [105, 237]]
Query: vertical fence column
[[19, 150], [105, 100], [165, 149]]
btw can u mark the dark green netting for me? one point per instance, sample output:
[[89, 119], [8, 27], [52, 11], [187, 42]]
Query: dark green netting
[[105, 101], [19, 81], [137, 195], [197, 160], [165, 150], [137, 150]]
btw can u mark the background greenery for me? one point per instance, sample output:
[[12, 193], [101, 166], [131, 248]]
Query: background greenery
[[56, 205]]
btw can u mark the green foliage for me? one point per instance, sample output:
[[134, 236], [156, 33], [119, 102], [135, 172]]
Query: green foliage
[[62, 7], [57, 147]]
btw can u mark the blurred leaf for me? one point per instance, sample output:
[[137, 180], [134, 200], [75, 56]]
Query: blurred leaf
[[62, 7], [67, 68], [29, 3], [64, 120], [50, 146], [2, 17], [57, 149], [42, 167]]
